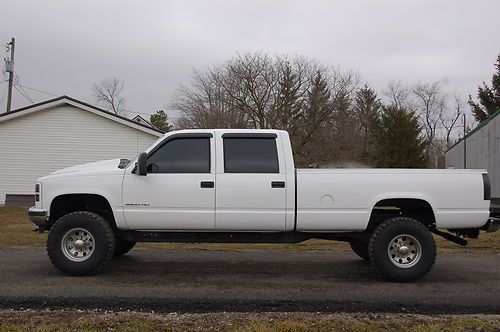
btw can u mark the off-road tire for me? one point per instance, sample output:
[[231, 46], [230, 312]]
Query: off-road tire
[[360, 248], [103, 238], [123, 246], [382, 237]]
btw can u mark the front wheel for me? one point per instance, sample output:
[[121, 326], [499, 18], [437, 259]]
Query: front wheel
[[80, 243], [402, 249]]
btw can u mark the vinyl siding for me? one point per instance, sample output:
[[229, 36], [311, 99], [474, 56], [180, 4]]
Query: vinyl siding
[[483, 151], [37, 144]]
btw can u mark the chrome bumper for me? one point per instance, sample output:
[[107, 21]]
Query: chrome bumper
[[38, 216], [492, 225]]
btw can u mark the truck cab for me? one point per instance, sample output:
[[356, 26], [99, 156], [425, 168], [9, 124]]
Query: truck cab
[[248, 175]]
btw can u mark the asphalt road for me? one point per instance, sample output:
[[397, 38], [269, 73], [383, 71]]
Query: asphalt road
[[250, 280]]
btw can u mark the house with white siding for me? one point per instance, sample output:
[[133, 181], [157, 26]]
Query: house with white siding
[[61, 132]]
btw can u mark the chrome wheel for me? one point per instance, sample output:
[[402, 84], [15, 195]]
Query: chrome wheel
[[77, 244], [404, 251]]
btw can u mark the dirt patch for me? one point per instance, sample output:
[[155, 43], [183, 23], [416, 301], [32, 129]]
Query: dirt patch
[[130, 321]]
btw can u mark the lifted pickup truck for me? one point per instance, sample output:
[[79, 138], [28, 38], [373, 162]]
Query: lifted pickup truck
[[241, 186]]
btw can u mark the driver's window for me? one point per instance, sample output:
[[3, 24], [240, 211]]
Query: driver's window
[[181, 155]]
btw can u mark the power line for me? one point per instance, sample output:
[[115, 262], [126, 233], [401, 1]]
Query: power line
[[3, 95], [33, 89], [17, 85], [23, 94], [24, 91], [54, 95]]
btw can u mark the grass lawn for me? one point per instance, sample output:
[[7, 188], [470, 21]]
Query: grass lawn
[[16, 229], [240, 322]]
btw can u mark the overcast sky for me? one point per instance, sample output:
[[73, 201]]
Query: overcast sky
[[63, 47]]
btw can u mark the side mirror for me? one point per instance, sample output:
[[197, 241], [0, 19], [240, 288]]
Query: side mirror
[[142, 164]]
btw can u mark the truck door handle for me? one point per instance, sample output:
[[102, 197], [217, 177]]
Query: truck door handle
[[278, 184], [207, 184]]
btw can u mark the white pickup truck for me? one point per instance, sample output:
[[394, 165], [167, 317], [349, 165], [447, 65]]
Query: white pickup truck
[[228, 185]]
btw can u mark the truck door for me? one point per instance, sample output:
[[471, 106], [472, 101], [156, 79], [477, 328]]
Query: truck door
[[178, 193], [251, 187]]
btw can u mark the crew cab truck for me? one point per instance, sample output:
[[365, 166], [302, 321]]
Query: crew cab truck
[[242, 186]]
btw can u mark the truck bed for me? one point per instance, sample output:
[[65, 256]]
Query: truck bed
[[342, 199]]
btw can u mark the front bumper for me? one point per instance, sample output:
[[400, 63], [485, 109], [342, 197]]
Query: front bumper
[[38, 216], [492, 225]]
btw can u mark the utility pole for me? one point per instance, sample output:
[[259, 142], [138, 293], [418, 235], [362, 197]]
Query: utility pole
[[10, 70], [465, 143]]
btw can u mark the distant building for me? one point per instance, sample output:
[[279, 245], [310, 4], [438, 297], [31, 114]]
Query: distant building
[[143, 121], [61, 132], [482, 151]]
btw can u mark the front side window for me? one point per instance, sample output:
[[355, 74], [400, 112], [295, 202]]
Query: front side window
[[250, 155], [182, 155]]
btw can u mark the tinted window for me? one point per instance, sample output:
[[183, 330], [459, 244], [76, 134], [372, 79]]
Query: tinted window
[[183, 155], [250, 155]]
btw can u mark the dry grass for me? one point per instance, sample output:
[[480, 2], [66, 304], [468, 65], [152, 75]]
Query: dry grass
[[16, 229], [240, 322]]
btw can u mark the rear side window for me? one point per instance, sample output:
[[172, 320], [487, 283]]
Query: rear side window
[[182, 155], [250, 155]]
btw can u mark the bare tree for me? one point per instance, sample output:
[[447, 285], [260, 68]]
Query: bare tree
[[206, 104], [450, 121], [255, 90], [438, 118], [108, 93], [250, 81], [320, 107], [399, 95], [294, 81], [430, 105], [342, 137]]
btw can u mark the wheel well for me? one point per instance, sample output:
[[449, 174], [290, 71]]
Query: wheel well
[[64, 204], [417, 209]]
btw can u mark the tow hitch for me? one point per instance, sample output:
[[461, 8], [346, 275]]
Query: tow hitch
[[492, 225]]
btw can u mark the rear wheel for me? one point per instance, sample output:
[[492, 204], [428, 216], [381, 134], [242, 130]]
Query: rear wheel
[[80, 243], [122, 247], [402, 249], [360, 248]]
